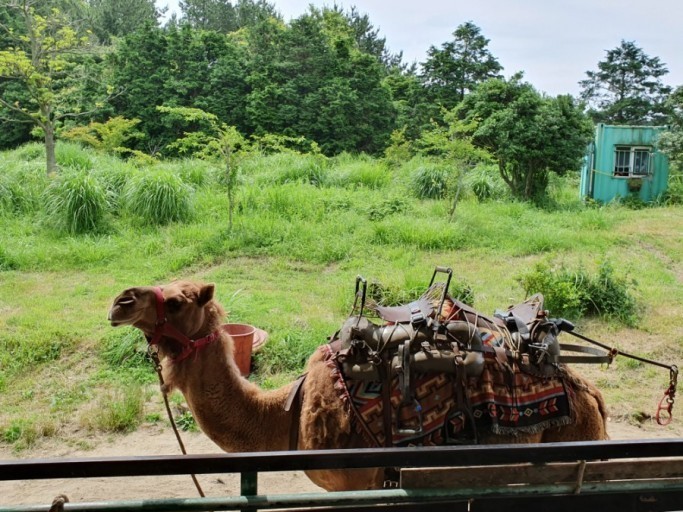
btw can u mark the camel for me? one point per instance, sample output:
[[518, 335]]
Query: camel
[[237, 415]]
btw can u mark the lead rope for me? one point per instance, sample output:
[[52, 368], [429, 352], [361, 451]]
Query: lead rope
[[157, 366]]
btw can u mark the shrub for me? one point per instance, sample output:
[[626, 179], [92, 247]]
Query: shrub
[[609, 296], [158, 197], [575, 293], [674, 192], [430, 183], [77, 203]]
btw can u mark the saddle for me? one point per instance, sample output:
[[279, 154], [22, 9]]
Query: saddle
[[437, 334]]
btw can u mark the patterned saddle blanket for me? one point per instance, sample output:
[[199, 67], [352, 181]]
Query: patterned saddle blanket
[[503, 401]]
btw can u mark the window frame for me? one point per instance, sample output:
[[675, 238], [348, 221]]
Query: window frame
[[635, 155]]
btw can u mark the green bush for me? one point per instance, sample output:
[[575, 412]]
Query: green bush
[[576, 293], [77, 203], [609, 296], [430, 183], [158, 197]]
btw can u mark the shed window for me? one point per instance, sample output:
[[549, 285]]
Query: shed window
[[632, 161]]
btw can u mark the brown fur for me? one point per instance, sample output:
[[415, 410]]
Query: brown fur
[[240, 417]]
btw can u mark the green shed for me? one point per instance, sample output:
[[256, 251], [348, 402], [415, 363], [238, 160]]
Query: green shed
[[623, 161]]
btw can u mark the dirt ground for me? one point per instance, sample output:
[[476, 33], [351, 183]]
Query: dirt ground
[[158, 440]]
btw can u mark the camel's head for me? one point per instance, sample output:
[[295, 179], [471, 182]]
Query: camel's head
[[185, 305]]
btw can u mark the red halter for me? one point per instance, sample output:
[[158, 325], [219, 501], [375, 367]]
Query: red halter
[[164, 328]]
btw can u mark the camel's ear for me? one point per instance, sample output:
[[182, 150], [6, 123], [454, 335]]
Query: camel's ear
[[206, 294]]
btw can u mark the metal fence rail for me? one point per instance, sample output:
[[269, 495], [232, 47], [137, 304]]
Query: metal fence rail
[[657, 491]]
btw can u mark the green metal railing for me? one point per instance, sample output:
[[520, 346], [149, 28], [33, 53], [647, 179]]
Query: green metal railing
[[619, 496]]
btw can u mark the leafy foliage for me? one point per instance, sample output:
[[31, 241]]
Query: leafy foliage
[[528, 134], [575, 293], [671, 142], [109, 136], [459, 65], [117, 19], [627, 87], [52, 79]]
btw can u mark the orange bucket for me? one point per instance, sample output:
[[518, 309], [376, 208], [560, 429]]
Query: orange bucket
[[243, 338]]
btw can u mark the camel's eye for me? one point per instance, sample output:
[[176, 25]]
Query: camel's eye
[[173, 305]]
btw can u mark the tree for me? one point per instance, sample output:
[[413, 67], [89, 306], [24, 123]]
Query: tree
[[671, 142], [627, 87], [118, 18], [528, 134], [183, 67], [311, 79], [459, 65], [40, 58], [219, 143], [224, 15]]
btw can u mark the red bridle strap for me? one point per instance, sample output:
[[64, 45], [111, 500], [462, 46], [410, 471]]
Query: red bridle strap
[[164, 328]]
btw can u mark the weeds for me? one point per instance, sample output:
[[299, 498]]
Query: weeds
[[575, 293], [116, 411]]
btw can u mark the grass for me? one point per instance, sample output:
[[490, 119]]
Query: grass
[[305, 227]]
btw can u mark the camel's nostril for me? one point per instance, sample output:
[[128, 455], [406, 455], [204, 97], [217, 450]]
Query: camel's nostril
[[125, 302]]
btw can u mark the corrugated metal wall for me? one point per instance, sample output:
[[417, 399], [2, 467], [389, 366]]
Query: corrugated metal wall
[[598, 180]]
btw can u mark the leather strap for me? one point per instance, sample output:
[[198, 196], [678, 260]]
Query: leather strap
[[385, 376], [293, 404], [596, 355]]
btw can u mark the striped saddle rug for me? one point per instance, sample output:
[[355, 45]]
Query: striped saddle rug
[[501, 400]]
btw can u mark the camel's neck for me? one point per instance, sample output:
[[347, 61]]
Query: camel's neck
[[233, 412]]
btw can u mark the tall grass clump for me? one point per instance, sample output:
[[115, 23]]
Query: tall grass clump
[[77, 203], [114, 174], [359, 172], [22, 184], [119, 410], [485, 183], [304, 169], [73, 156], [30, 151], [430, 182], [158, 197], [575, 293]]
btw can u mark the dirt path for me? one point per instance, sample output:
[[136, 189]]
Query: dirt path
[[157, 440]]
